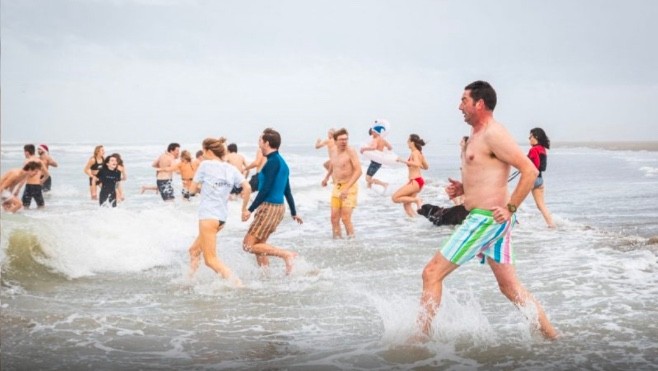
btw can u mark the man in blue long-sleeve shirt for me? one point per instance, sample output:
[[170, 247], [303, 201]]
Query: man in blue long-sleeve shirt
[[274, 184]]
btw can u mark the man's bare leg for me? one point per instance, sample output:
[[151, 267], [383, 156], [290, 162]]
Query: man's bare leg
[[346, 218], [433, 275], [514, 291]]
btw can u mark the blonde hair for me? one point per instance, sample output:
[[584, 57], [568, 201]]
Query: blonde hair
[[216, 146], [97, 150], [186, 156]]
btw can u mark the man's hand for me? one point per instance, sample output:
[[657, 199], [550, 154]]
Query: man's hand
[[245, 215], [501, 214], [454, 189], [297, 219]]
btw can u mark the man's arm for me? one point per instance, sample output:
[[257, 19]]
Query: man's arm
[[506, 150]]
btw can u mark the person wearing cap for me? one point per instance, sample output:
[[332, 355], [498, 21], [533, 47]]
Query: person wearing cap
[[47, 161], [378, 144]]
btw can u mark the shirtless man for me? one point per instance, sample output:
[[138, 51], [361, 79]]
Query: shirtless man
[[10, 184], [378, 144], [164, 177], [34, 183], [330, 143], [257, 164], [487, 157], [238, 161], [47, 161], [345, 169]]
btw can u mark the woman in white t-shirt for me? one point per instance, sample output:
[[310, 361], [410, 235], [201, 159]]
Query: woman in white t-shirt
[[215, 179]]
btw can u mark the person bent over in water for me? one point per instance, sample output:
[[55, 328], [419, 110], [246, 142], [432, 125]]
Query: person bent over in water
[[11, 182]]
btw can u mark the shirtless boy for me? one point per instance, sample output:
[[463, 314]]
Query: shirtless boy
[[164, 177]]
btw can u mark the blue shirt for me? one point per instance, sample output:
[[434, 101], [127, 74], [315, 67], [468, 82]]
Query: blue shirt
[[274, 184]]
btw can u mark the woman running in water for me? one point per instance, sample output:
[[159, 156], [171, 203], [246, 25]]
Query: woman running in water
[[408, 193], [540, 143]]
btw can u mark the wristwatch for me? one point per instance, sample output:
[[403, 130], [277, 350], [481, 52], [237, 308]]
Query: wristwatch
[[511, 208]]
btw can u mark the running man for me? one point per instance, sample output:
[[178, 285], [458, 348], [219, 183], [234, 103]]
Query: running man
[[238, 161], [345, 168], [486, 232], [274, 184], [330, 143], [164, 177]]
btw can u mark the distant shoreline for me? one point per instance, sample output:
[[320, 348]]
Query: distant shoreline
[[614, 146]]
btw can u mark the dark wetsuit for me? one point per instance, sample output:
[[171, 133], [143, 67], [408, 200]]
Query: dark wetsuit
[[109, 179]]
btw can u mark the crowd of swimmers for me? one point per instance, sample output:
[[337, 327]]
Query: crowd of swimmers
[[219, 173]]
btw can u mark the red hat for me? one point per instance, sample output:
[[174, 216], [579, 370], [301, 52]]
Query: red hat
[[43, 147]]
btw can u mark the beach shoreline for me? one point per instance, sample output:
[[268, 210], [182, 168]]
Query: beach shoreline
[[613, 146]]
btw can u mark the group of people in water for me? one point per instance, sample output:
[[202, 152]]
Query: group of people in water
[[487, 155]]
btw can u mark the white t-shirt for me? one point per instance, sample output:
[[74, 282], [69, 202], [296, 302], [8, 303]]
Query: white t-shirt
[[217, 179]]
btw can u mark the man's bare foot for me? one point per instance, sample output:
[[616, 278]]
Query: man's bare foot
[[289, 260], [418, 338], [235, 282]]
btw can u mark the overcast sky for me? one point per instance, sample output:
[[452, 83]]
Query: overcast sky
[[123, 71]]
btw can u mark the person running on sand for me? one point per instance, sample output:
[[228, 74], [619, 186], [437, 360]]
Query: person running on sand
[[215, 178], [12, 180], [92, 166], [274, 184], [47, 160], [486, 232], [378, 144], [345, 169], [330, 143], [408, 193]]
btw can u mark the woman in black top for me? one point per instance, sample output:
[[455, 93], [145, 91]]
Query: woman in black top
[[109, 176]]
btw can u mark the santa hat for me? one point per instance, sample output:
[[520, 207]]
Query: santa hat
[[43, 147]]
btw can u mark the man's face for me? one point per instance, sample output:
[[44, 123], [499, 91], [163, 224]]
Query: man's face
[[341, 141], [262, 145], [176, 152], [467, 106]]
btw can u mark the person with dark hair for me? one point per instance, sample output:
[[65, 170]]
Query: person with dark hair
[[408, 193], [345, 169], [537, 154], [47, 160], [121, 167], [109, 177], [488, 155], [215, 178], [11, 182], [164, 176], [237, 160], [378, 143], [274, 183], [34, 184]]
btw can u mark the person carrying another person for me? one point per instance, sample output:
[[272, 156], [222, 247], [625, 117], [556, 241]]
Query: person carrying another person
[[11, 182], [109, 177], [345, 169], [237, 160]]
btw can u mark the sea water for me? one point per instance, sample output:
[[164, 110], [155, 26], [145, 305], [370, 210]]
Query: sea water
[[85, 287]]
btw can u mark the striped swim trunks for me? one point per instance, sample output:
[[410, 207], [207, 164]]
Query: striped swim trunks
[[479, 235], [267, 218]]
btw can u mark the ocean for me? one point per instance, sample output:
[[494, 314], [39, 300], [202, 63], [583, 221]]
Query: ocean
[[85, 287]]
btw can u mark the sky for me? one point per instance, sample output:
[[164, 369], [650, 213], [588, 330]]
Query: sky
[[160, 71]]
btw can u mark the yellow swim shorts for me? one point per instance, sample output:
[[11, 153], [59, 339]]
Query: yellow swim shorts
[[349, 201]]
